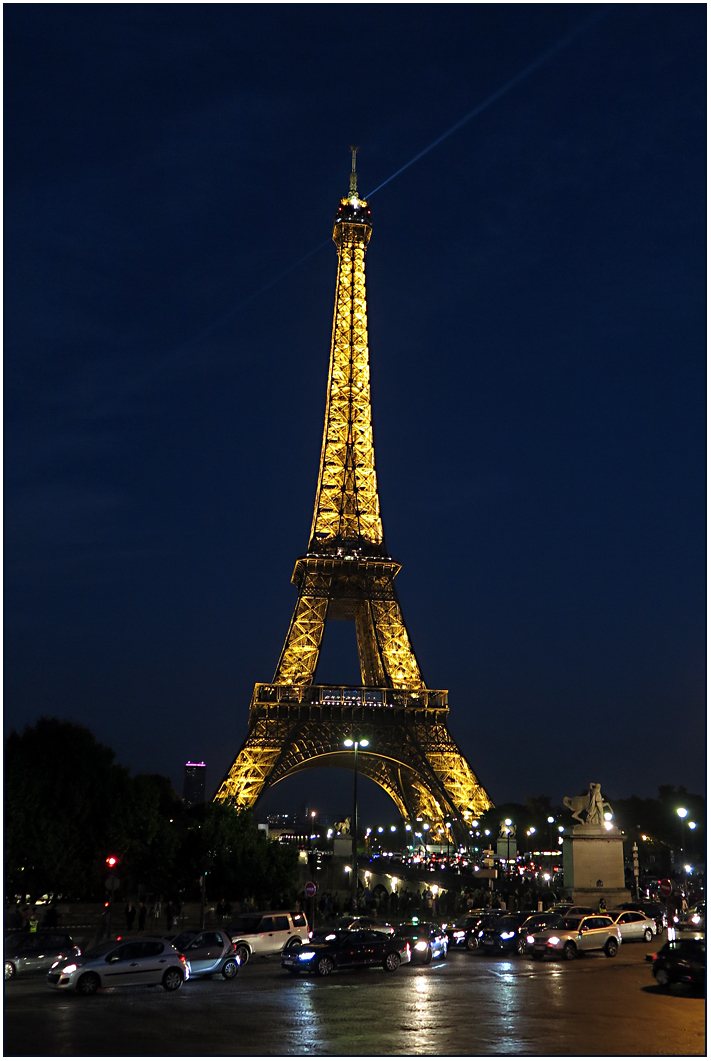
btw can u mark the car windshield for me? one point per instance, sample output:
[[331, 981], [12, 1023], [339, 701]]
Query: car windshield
[[180, 942], [100, 949]]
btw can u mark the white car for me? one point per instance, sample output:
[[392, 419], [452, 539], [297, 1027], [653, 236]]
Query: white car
[[267, 933], [633, 925], [573, 935], [117, 963]]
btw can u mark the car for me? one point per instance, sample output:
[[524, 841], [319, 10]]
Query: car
[[208, 952], [345, 949], [532, 925], [573, 936], [36, 952], [267, 933], [463, 931], [121, 963], [580, 911], [680, 961], [427, 940], [651, 909], [500, 935], [486, 924], [346, 921], [633, 925]]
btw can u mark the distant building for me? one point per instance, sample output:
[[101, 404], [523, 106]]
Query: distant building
[[194, 784]]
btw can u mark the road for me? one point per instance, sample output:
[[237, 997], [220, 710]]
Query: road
[[469, 1004]]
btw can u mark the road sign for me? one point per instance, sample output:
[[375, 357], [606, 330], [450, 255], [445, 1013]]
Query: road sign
[[112, 883], [309, 889], [665, 887]]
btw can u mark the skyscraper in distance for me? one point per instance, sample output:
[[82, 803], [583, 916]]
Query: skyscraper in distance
[[194, 784]]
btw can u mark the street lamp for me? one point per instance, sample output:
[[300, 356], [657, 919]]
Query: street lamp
[[112, 863], [359, 742], [508, 823], [682, 812]]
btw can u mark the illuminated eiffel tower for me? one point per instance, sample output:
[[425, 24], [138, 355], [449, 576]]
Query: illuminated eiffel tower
[[348, 573]]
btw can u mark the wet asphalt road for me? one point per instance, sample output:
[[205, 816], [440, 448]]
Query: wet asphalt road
[[468, 1004]]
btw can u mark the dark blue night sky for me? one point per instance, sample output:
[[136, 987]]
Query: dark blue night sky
[[536, 289]]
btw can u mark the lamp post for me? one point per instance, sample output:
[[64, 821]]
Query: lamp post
[[355, 745], [551, 821], [112, 863], [508, 823], [682, 812]]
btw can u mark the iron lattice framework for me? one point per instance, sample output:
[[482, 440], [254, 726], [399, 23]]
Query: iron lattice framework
[[347, 574]]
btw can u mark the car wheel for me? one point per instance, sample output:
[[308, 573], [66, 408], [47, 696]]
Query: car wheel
[[10, 970], [325, 967], [392, 962], [172, 979], [242, 953], [662, 977], [428, 956], [521, 946], [294, 943], [647, 935], [471, 943], [569, 951], [229, 969], [611, 948], [89, 984]]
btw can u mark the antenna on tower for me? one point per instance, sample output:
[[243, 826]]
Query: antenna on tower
[[354, 176]]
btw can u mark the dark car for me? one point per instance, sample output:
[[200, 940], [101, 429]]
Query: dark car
[[208, 952], [344, 949], [427, 940], [36, 952], [533, 924], [680, 961], [463, 931], [500, 935]]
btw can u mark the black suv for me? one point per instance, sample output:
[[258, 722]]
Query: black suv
[[680, 961]]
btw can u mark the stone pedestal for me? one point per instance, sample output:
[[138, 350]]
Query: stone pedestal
[[342, 846], [594, 866]]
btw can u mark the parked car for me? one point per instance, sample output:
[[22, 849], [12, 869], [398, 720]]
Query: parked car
[[121, 963], [680, 961], [347, 949], [633, 925], [36, 952], [573, 936], [532, 925], [427, 940], [500, 935], [267, 933], [208, 952]]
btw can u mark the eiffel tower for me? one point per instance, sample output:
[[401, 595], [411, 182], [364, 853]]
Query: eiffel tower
[[348, 574]]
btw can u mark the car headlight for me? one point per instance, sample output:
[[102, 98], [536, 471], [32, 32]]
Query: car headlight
[[529, 939], [306, 955], [68, 969], [55, 964], [553, 941], [508, 935], [421, 945]]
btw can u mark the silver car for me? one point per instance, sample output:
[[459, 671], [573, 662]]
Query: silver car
[[634, 925], [121, 963], [571, 936], [208, 952], [36, 952]]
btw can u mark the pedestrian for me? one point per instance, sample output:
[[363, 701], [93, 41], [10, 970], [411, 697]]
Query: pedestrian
[[602, 906], [142, 915], [34, 921], [169, 915], [51, 918], [130, 913]]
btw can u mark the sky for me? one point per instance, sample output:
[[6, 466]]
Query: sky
[[536, 298]]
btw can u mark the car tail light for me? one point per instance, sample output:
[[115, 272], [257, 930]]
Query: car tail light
[[181, 957], [233, 949]]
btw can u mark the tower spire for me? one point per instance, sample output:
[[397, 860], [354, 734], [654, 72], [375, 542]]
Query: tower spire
[[353, 190]]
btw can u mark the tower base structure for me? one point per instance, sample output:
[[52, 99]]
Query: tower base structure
[[594, 866], [411, 753]]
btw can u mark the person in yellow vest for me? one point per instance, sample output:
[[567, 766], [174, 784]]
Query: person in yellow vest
[[34, 921]]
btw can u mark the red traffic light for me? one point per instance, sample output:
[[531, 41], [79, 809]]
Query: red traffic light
[[111, 861]]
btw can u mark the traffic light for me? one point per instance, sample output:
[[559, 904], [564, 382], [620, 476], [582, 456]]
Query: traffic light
[[111, 861]]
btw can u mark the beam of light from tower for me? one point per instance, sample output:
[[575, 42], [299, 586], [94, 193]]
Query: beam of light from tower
[[521, 76]]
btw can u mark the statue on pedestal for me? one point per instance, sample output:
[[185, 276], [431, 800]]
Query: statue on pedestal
[[593, 804], [343, 828]]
